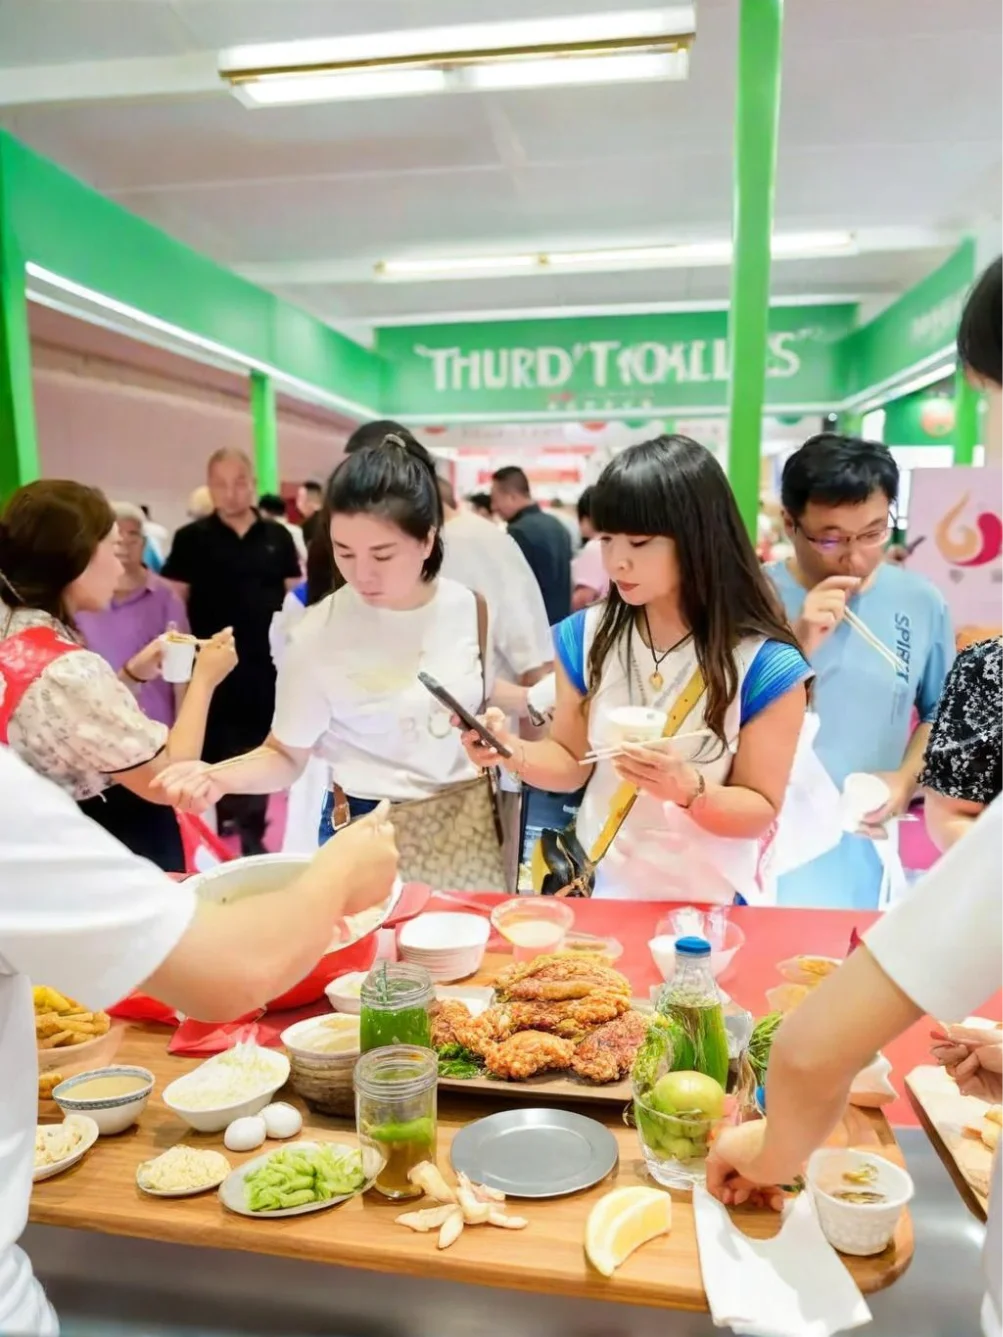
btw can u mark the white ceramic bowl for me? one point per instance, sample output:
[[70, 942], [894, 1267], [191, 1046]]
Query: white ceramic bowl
[[858, 1228], [343, 993], [215, 1119], [435, 934], [663, 951], [634, 724], [114, 1114]]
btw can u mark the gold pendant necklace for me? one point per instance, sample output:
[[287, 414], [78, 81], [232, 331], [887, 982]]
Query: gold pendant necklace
[[655, 677]]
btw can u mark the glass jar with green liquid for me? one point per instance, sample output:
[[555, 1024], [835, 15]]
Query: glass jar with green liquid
[[396, 998]]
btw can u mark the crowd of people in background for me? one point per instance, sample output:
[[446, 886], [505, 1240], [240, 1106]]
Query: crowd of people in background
[[314, 619]]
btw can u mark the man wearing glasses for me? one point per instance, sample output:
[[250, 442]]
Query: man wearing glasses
[[838, 495]]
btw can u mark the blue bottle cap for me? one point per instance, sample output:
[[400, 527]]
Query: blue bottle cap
[[692, 947]]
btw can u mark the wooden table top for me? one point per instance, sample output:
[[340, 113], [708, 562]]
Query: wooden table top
[[100, 1194]]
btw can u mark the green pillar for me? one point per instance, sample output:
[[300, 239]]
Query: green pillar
[[18, 440], [757, 109], [850, 423], [266, 431], [966, 418]]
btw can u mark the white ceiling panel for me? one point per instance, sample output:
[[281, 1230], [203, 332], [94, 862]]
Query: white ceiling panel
[[890, 119], [57, 32]]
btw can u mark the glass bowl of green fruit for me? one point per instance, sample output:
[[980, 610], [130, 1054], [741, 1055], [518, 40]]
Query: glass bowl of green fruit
[[675, 1120]]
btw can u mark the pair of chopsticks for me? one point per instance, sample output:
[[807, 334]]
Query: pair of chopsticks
[[864, 631], [617, 749], [182, 638]]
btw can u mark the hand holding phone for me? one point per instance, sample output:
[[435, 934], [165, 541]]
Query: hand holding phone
[[470, 721]]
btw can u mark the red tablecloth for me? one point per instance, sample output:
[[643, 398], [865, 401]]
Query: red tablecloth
[[771, 936]]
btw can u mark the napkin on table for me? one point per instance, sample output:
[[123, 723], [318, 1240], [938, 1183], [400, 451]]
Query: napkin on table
[[791, 1286]]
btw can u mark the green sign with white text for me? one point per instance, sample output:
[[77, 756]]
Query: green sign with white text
[[603, 365]]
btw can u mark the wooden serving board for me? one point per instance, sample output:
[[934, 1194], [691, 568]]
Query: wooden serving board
[[549, 1086], [945, 1113]]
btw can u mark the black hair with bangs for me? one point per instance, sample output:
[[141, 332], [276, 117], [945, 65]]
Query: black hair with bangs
[[672, 487]]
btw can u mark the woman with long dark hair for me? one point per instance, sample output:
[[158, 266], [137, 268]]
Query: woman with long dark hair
[[348, 683], [690, 628], [62, 707]]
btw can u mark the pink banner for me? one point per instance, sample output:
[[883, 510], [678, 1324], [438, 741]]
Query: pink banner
[[955, 540]]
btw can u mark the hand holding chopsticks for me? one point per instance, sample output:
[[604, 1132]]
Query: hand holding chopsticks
[[613, 750], [825, 606]]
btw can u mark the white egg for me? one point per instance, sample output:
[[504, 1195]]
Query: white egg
[[245, 1134], [281, 1120]]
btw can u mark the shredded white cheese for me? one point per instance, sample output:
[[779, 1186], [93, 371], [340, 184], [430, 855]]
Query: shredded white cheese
[[54, 1142], [183, 1168], [227, 1079]]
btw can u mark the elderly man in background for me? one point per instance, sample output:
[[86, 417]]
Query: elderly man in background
[[233, 569], [144, 607]]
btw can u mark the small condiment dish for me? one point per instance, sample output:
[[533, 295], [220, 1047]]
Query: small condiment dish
[[857, 1228], [534, 925], [112, 1114], [344, 993], [663, 951], [214, 1119]]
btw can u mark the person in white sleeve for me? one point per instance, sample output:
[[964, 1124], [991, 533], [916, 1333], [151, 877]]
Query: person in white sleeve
[[938, 952], [88, 917]]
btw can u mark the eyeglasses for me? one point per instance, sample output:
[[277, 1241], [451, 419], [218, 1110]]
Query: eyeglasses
[[873, 538]]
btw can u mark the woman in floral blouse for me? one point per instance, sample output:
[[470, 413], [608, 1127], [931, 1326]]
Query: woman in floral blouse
[[63, 708], [963, 771]]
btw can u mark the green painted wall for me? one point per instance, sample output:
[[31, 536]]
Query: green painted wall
[[919, 326], [64, 226]]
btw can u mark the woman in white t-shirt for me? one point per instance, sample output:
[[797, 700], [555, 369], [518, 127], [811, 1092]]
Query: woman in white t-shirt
[[686, 594], [348, 682]]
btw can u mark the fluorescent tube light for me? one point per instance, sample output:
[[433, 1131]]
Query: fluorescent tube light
[[686, 254], [534, 53], [282, 91], [567, 70], [430, 44], [459, 267], [217, 352]]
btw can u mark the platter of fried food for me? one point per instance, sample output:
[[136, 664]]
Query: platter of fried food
[[67, 1033], [563, 1024]]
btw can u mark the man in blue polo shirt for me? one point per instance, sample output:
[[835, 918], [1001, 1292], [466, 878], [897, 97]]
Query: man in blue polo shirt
[[838, 494]]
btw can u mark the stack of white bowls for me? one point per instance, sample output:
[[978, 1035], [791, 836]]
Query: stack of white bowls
[[449, 946]]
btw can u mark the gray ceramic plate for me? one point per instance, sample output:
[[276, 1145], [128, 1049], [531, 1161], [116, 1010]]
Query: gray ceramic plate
[[528, 1153], [233, 1195]]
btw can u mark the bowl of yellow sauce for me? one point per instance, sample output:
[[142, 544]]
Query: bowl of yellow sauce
[[113, 1097]]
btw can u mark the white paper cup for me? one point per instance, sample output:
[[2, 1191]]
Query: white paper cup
[[635, 724], [862, 793], [178, 661], [860, 1229]]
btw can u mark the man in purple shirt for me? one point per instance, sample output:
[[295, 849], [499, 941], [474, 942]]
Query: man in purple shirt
[[143, 608]]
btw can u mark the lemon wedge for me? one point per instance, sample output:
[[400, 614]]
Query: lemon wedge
[[621, 1222]]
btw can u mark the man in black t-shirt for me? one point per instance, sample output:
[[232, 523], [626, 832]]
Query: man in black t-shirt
[[310, 503], [233, 569], [544, 541]]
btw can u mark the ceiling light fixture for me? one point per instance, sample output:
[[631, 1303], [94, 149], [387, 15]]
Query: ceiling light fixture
[[534, 53], [697, 254]]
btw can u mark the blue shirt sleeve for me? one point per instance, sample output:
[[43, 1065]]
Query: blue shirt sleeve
[[938, 664], [569, 642], [776, 668]]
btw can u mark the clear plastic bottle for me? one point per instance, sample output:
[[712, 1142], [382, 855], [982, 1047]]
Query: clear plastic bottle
[[693, 999], [676, 1114]]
